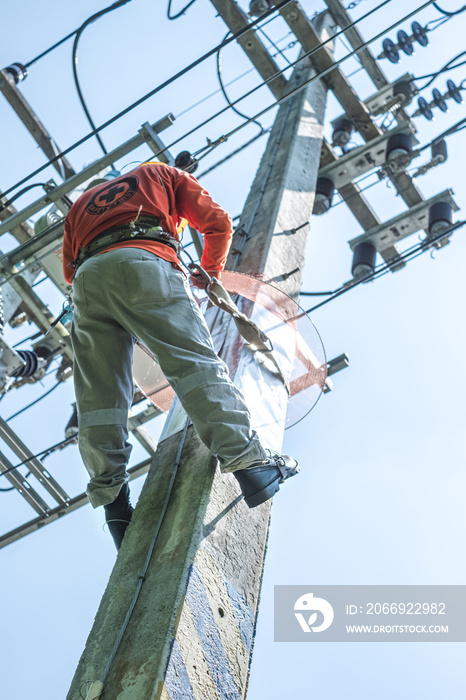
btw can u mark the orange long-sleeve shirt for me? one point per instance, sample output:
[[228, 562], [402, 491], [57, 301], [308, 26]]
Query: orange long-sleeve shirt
[[139, 192]]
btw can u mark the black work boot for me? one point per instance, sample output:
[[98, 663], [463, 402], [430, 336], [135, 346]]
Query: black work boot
[[118, 515], [261, 480]]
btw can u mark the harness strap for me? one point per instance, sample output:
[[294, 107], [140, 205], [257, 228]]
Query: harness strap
[[250, 331], [139, 230]]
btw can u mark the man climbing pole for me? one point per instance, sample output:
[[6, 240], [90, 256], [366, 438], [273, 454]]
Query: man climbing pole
[[120, 253]]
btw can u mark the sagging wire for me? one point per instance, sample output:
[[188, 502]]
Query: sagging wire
[[447, 67], [42, 455], [81, 29], [224, 93], [381, 270], [289, 46], [265, 82], [33, 403], [4, 205], [183, 71], [181, 12], [447, 13]]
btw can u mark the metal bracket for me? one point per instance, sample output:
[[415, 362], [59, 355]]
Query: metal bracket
[[334, 366], [156, 144], [415, 219], [85, 174], [362, 159]]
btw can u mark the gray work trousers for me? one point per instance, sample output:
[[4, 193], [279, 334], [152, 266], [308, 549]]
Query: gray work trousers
[[130, 293]]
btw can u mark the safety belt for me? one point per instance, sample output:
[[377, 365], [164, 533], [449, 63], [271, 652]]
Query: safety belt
[[251, 332]]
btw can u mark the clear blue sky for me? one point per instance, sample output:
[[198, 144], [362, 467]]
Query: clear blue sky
[[380, 497]]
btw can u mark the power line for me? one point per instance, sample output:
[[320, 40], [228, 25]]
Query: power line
[[235, 152], [265, 82], [4, 205], [33, 403], [145, 97], [447, 67], [447, 13], [222, 88], [51, 48], [74, 61], [382, 269], [239, 77], [181, 12], [275, 46], [43, 454], [318, 76]]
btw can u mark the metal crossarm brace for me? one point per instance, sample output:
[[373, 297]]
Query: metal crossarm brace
[[403, 225], [368, 62], [23, 232], [23, 487], [356, 202], [84, 175], [33, 124], [40, 315], [235, 18], [301, 26], [355, 108], [35, 466], [55, 513]]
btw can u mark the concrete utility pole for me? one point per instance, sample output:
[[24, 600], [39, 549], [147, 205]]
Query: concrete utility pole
[[191, 630]]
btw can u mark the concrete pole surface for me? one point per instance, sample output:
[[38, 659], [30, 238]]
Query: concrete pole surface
[[191, 632]]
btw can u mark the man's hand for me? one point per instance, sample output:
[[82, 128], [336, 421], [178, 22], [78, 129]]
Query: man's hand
[[201, 278], [198, 281]]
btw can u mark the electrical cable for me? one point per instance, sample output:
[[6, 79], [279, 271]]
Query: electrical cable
[[31, 337], [447, 67], [81, 29], [51, 48], [356, 194], [234, 153], [33, 403], [447, 13], [384, 268], [316, 77], [4, 205], [43, 454], [222, 87], [68, 36], [459, 126], [186, 69], [234, 80], [186, 7], [265, 82], [279, 52]]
